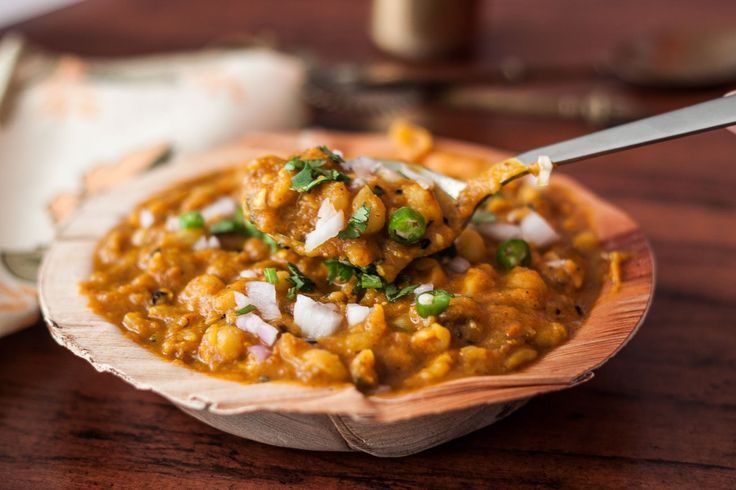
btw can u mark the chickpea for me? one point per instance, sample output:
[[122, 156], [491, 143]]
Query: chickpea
[[432, 339], [470, 245], [140, 324], [221, 343], [280, 193], [321, 365], [436, 369], [523, 278], [339, 195], [477, 280], [363, 370], [360, 252], [377, 216], [423, 201], [519, 357], [550, 335], [199, 292], [474, 359]]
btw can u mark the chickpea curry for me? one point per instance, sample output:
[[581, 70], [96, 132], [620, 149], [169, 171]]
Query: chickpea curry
[[328, 270]]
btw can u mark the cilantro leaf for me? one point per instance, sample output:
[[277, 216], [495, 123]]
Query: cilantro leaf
[[337, 270], [357, 223], [245, 309], [299, 164], [310, 174], [271, 275], [393, 293], [331, 154], [371, 281], [299, 281], [227, 226]]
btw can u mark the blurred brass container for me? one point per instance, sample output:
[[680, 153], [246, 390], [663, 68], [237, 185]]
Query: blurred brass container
[[423, 29]]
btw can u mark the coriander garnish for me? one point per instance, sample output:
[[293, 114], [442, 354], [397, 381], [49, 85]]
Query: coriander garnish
[[270, 274], [393, 293], [245, 309], [311, 174], [299, 281], [357, 223], [337, 270]]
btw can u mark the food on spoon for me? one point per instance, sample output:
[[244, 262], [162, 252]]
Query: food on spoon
[[357, 211]]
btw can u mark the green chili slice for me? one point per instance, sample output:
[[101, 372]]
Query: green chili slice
[[406, 226], [432, 303], [512, 253], [192, 219]]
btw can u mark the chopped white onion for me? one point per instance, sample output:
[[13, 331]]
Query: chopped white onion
[[204, 243], [329, 223], [248, 274], [556, 263], [363, 167], [241, 300], [458, 264], [252, 323], [545, 170], [499, 231], [225, 206], [424, 182], [262, 295], [200, 244], [338, 152], [260, 352], [535, 229], [146, 218], [516, 215], [315, 319], [425, 299], [356, 313], [172, 223], [423, 288]]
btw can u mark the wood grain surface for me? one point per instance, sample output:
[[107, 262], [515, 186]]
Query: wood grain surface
[[662, 414]]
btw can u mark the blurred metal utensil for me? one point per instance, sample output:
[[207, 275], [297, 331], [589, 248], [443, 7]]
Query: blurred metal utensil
[[670, 59], [596, 107], [706, 116]]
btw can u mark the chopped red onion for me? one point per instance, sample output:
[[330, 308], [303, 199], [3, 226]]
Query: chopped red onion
[[260, 352], [252, 323], [262, 295], [458, 264]]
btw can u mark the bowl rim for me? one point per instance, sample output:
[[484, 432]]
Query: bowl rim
[[612, 323]]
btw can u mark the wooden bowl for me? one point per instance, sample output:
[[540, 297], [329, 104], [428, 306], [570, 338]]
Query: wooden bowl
[[333, 419]]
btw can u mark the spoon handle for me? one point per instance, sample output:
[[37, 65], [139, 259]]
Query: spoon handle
[[708, 115]]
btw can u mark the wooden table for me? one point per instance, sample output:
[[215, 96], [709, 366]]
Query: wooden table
[[660, 414]]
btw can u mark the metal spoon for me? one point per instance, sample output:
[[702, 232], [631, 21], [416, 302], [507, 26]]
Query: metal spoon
[[697, 118]]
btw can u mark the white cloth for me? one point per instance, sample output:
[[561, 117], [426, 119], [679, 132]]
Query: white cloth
[[85, 114]]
